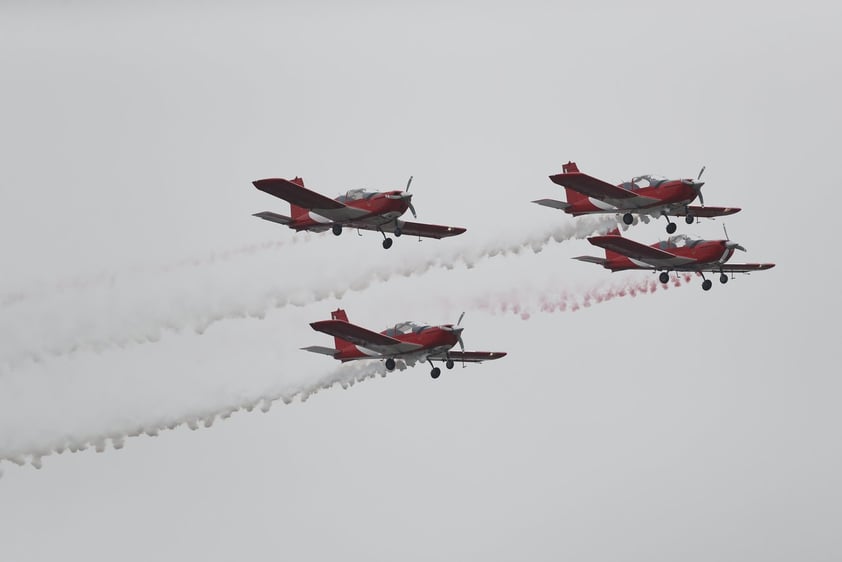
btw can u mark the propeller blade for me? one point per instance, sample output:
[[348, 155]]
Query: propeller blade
[[726, 232], [461, 316], [701, 197], [702, 171], [412, 210], [408, 183]]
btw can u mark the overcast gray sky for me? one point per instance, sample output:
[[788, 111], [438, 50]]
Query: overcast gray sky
[[137, 292]]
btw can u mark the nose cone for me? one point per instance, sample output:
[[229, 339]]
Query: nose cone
[[697, 187], [731, 245]]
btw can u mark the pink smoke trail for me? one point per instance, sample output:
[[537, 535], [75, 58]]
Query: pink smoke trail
[[565, 301]]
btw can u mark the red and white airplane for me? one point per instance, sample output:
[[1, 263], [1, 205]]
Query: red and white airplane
[[358, 208], [647, 196], [406, 340], [677, 253]]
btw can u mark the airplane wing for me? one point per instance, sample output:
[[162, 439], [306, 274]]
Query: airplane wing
[[729, 267], [598, 189], [707, 212], [302, 197], [424, 230], [295, 194], [363, 337], [470, 356], [638, 251]]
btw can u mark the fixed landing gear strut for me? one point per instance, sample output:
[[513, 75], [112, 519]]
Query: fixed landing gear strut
[[671, 226], [387, 242], [435, 372]]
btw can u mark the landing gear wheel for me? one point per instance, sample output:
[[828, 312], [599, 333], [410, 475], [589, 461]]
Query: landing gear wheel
[[435, 372], [337, 229], [664, 277], [387, 243], [707, 284], [723, 278], [671, 227], [390, 364], [449, 364], [689, 218], [398, 232], [628, 218]]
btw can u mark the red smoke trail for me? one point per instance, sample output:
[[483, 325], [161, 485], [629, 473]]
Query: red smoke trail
[[565, 301]]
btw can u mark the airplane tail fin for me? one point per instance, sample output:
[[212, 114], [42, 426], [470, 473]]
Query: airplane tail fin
[[604, 262], [339, 314], [608, 253], [573, 197], [296, 211]]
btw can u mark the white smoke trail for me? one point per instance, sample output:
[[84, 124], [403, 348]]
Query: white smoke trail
[[145, 310], [109, 279], [34, 451]]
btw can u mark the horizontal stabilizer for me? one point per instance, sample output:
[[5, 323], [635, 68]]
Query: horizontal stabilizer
[[323, 350], [560, 205], [274, 217], [592, 259]]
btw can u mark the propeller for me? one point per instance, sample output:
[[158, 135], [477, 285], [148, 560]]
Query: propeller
[[409, 198], [458, 331], [697, 185], [406, 196], [728, 243]]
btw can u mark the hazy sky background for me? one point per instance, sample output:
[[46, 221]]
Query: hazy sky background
[[136, 291]]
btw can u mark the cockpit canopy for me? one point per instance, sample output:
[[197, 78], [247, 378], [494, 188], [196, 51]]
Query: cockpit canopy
[[404, 328], [678, 241], [356, 195], [640, 182]]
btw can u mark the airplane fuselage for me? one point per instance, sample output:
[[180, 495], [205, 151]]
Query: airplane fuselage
[[434, 340], [703, 253], [381, 208], [670, 195]]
